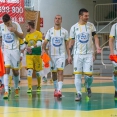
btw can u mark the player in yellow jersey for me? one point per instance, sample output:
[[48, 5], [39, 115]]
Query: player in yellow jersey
[[33, 59]]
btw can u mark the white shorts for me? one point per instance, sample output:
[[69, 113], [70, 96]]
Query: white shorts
[[57, 63], [12, 58], [83, 64]]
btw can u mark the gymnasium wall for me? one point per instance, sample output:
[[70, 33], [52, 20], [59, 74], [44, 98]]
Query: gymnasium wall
[[69, 11]]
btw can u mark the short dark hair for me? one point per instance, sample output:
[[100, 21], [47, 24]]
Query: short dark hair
[[81, 11], [32, 24], [6, 18]]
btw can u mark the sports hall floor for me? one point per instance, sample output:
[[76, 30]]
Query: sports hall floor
[[101, 104]]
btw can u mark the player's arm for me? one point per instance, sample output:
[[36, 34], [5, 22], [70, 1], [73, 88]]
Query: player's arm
[[44, 46], [47, 38], [93, 30], [67, 42], [96, 42], [112, 39], [71, 45], [111, 45]]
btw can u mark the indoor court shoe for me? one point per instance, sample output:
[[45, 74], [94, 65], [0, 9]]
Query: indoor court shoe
[[6, 95], [89, 92], [55, 93], [59, 94], [16, 92], [38, 89], [29, 90], [78, 97], [115, 95]]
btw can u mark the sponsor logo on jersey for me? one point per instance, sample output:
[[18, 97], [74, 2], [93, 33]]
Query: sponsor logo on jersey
[[57, 41], [83, 37]]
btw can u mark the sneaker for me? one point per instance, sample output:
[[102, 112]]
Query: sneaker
[[59, 94], [44, 79], [38, 89], [115, 95], [16, 92], [78, 97], [55, 93], [29, 90], [89, 92], [6, 95]]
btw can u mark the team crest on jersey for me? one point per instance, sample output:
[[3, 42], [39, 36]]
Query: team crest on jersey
[[76, 29], [57, 41], [51, 33], [35, 36], [83, 37]]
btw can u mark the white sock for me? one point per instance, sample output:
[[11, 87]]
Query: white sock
[[16, 81], [60, 84], [55, 84], [6, 76], [78, 83]]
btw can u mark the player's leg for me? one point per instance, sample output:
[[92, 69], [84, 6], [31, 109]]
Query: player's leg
[[29, 64], [88, 71], [10, 79], [54, 74], [60, 64], [7, 71], [38, 69], [15, 59], [77, 66], [114, 78]]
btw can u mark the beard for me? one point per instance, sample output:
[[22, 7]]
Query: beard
[[28, 30]]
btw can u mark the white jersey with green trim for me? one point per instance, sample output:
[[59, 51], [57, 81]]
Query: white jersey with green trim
[[9, 39], [57, 40], [83, 38], [113, 34]]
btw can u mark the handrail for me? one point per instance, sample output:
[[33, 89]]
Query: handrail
[[103, 59], [105, 12], [107, 25]]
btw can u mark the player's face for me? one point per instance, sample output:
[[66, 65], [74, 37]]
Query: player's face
[[8, 24], [58, 20], [28, 28], [84, 17]]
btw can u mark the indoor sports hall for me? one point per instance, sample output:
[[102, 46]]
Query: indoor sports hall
[[102, 103]]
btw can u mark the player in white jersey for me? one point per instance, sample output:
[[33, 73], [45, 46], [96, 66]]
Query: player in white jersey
[[81, 40], [58, 40], [11, 32], [113, 50]]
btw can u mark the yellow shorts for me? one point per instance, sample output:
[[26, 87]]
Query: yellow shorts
[[34, 62]]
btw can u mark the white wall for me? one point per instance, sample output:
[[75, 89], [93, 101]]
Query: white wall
[[67, 8]]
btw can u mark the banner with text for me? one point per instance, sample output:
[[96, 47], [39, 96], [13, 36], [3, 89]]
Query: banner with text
[[15, 8]]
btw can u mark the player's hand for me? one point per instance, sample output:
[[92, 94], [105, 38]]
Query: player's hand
[[29, 50], [20, 58], [99, 50], [43, 51], [11, 29], [69, 59]]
